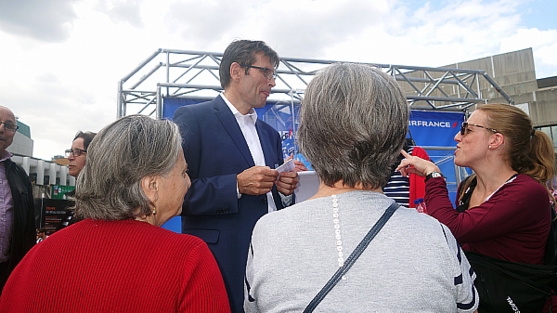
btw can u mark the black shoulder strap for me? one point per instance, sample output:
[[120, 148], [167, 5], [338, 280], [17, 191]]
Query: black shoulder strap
[[464, 201], [352, 258], [550, 255]]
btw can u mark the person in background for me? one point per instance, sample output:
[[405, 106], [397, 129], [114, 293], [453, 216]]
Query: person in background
[[119, 259], [41, 234], [78, 152], [17, 211], [503, 209], [232, 157], [552, 187], [353, 123], [406, 190], [77, 157]]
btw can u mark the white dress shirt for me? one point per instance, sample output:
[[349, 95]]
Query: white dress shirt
[[247, 126]]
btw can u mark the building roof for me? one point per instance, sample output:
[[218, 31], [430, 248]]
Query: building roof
[[24, 129]]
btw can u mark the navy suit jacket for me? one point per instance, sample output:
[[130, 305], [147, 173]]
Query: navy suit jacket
[[216, 151]]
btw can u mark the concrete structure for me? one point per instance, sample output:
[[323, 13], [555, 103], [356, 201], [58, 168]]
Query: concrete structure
[[545, 102], [515, 72], [41, 172], [22, 144], [44, 172]]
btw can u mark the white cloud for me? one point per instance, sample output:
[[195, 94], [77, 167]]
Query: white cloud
[[544, 44], [122, 11], [308, 28], [42, 20], [204, 21]]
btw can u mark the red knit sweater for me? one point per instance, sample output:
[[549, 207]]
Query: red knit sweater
[[116, 266]]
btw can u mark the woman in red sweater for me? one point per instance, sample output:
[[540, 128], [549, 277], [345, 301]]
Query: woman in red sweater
[[118, 259], [503, 209]]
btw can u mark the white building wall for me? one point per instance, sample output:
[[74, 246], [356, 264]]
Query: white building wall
[[42, 168], [21, 145]]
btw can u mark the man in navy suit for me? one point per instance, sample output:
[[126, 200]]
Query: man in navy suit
[[231, 158]]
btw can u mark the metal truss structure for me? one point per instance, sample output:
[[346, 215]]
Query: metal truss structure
[[194, 74]]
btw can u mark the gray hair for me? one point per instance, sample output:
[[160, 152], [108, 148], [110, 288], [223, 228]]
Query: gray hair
[[119, 157], [354, 119]]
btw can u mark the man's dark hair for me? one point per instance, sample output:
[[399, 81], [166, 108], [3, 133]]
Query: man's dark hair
[[243, 52], [87, 138]]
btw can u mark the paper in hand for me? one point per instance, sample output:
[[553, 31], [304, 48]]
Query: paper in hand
[[287, 166]]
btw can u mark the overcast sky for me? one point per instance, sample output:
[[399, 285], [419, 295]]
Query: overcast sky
[[61, 60]]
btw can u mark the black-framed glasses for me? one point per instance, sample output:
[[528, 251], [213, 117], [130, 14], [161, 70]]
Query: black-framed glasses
[[267, 72], [75, 152], [10, 126], [465, 130]]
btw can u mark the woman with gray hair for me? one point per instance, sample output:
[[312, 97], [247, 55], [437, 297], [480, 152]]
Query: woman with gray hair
[[353, 124], [118, 259]]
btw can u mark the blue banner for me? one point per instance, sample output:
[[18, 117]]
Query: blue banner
[[427, 128], [432, 128], [437, 129]]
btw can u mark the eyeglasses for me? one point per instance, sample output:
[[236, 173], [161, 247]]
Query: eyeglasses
[[267, 72], [75, 152], [9, 126], [465, 130]]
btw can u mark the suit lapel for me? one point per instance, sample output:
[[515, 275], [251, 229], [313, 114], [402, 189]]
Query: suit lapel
[[231, 126]]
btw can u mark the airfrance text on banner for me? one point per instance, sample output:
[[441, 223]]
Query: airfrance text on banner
[[430, 128]]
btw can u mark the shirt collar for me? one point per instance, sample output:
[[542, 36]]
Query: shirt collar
[[252, 114], [5, 155]]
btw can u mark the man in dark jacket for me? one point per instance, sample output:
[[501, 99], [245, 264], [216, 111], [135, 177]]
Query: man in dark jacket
[[17, 220], [232, 157]]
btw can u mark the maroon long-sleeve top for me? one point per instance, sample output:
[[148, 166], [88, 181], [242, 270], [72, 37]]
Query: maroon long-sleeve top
[[513, 224]]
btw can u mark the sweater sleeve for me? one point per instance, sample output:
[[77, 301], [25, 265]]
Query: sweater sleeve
[[250, 304], [466, 293], [203, 289], [513, 208]]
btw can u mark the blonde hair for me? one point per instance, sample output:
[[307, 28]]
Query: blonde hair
[[530, 151]]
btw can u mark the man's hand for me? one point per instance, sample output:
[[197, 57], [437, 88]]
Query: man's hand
[[287, 182], [257, 180]]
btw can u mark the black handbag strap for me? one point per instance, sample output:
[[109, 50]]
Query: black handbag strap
[[352, 258]]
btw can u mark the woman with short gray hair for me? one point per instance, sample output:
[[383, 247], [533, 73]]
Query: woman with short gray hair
[[129, 151], [353, 124], [118, 259]]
